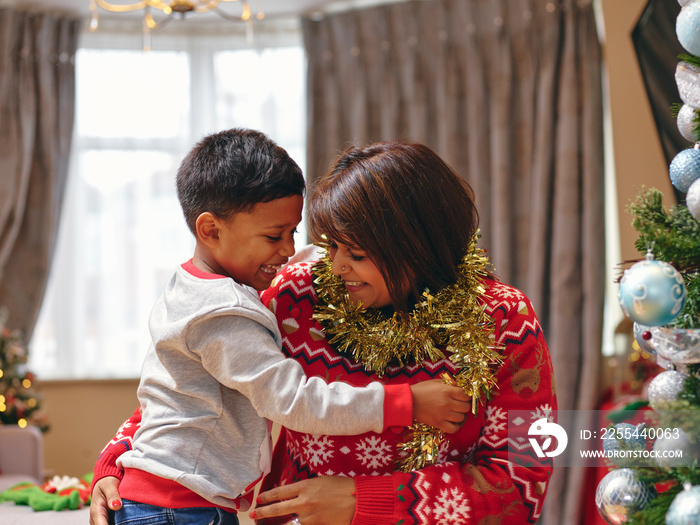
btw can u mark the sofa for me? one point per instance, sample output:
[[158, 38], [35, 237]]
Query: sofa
[[21, 460]]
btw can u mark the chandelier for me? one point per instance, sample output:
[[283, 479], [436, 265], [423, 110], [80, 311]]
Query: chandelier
[[167, 10]]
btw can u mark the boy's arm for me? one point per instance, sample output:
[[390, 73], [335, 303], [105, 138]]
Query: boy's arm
[[242, 354]]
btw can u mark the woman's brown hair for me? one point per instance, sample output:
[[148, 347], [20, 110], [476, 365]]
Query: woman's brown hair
[[411, 214]]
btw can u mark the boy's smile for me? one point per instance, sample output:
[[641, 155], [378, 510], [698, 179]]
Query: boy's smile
[[251, 247]]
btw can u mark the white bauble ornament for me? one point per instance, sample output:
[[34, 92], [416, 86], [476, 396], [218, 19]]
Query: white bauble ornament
[[674, 448], [652, 292], [685, 507], [688, 27], [664, 389], [685, 168], [692, 199], [620, 494], [687, 78]]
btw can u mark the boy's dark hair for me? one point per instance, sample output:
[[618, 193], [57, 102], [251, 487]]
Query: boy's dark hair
[[232, 171], [413, 216]]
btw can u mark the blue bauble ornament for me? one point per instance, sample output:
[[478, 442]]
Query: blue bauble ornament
[[652, 292], [621, 441], [685, 507], [685, 168], [688, 27]]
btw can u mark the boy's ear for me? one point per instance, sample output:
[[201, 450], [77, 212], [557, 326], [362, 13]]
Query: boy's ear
[[207, 227]]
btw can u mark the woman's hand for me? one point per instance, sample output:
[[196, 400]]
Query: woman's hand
[[317, 501], [105, 496], [440, 405]]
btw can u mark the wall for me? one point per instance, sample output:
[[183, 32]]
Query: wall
[[637, 154], [86, 414]]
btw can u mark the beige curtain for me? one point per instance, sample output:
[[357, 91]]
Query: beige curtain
[[509, 93], [37, 90]]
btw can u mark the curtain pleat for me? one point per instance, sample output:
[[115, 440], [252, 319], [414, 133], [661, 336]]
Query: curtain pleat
[[37, 92], [509, 92]]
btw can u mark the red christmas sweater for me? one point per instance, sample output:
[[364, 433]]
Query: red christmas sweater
[[477, 480]]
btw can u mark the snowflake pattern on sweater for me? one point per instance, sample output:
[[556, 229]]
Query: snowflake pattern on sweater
[[473, 483]]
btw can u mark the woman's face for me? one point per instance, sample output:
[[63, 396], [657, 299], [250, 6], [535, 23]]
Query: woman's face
[[362, 278]]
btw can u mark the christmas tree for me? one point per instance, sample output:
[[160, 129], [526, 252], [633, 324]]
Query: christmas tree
[[661, 294], [20, 403]]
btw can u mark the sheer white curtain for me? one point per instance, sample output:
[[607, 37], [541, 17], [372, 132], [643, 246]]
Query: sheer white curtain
[[122, 232]]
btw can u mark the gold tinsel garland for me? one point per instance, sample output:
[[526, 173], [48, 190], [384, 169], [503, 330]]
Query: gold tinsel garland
[[453, 319]]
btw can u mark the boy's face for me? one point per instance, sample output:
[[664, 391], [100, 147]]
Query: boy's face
[[254, 245]]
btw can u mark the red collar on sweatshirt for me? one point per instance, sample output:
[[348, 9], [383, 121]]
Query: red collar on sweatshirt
[[190, 268]]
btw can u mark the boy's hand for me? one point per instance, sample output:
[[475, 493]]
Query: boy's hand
[[440, 405], [105, 497]]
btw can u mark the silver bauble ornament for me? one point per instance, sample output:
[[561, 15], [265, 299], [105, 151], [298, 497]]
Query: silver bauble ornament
[[652, 292], [685, 168], [685, 121], [685, 507], [620, 494], [642, 335], [664, 389], [692, 199]]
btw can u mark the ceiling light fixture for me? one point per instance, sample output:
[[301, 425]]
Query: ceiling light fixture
[[169, 9]]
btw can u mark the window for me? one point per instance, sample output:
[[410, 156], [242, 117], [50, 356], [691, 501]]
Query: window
[[122, 231]]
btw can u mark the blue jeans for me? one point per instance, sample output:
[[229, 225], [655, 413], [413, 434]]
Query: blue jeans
[[134, 513]]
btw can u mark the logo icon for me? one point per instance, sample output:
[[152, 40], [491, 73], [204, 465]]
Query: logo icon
[[545, 428]]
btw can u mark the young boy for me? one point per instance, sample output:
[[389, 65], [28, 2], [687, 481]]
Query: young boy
[[214, 371]]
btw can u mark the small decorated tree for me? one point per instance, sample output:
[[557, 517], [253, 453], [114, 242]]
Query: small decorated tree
[[20, 403]]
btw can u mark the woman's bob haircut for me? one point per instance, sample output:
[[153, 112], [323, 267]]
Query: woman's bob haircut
[[401, 204]]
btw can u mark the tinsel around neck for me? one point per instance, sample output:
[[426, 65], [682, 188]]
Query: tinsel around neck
[[451, 318]]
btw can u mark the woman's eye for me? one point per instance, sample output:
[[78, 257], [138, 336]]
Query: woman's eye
[[357, 258], [274, 239]]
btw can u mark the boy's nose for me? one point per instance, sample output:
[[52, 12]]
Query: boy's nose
[[287, 248]]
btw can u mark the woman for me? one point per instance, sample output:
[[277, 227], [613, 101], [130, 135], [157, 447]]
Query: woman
[[404, 295]]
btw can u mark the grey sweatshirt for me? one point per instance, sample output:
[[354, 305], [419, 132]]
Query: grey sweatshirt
[[213, 374]]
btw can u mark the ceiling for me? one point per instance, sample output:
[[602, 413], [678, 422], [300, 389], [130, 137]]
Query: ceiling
[[273, 8]]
